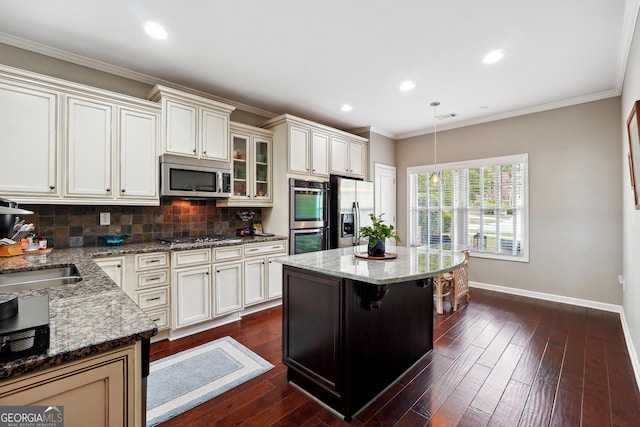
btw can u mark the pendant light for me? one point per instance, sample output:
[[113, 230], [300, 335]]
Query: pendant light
[[435, 176]]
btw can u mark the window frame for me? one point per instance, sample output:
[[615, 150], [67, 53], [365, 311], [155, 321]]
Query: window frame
[[476, 163]]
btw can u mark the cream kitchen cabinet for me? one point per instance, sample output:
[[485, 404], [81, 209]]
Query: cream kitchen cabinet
[[228, 288], [260, 282], [348, 157], [111, 151], [29, 123], [252, 167], [228, 279], [192, 125], [148, 284], [308, 151], [84, 145], [105, 389], [191, 287], [89, 148], [138, 155], [115, 267]]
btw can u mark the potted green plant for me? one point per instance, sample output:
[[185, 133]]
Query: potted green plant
[[378, 232]]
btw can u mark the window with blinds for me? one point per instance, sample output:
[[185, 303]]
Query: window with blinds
[[481, 205]]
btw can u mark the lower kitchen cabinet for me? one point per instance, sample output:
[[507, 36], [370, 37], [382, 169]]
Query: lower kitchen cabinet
[[115, 268], [274, 274], [263, 277], [102, 390], [254, 284], [191, 295], [145, 278], [228, 288]]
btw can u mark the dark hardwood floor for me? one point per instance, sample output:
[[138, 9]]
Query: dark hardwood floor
[[501, 360]]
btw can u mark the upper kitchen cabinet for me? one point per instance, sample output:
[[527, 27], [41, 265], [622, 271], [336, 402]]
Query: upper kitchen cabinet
[[307, 145], [29, 124], [82, 145], [348, 157], [111, 151], [301, 150], [192, 125], [308, 151], [252, 167]]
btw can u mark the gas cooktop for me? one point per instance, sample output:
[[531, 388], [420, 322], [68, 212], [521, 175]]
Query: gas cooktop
[[199, 239]]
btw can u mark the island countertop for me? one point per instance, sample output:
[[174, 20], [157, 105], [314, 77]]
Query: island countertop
[[411, 263]]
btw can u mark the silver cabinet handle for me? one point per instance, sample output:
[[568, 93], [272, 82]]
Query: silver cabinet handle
[[151, 279], [153, 299], [152, 261]]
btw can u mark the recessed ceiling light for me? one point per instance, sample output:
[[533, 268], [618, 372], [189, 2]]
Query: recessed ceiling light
[[484, 107], [407, 86], [346, 107], [155, 30], [494, 56]]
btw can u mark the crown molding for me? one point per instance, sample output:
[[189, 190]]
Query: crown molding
[[84, 61]]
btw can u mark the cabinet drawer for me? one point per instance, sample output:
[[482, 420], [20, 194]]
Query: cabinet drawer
[[160, 316], [193, 257], [152, 278], [153, 298], [266, 248], [227, 253], [151, 261]]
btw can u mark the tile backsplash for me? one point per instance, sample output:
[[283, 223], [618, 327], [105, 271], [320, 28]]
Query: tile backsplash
[[71, 226]]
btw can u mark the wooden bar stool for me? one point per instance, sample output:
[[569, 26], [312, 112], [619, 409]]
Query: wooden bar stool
[[442, 289], [459, 285]]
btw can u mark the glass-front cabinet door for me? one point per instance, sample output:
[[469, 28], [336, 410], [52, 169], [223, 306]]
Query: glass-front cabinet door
[[262, 171], [251, 152], [240, 187]]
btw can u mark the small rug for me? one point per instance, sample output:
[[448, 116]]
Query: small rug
[[184, 380]]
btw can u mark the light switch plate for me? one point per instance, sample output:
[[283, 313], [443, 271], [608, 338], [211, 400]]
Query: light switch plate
[[105, 218]]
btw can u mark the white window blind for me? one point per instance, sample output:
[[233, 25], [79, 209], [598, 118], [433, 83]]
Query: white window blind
[[481, 205]]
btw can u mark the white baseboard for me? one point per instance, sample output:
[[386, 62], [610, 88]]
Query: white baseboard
[[633, 355]]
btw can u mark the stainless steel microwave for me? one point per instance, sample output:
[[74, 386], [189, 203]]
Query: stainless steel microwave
[[187, 177]]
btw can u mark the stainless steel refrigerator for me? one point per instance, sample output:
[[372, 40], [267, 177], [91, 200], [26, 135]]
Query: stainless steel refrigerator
[[350, 203]]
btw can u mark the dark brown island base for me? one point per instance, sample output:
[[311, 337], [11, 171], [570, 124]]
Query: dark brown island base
[[352, 326]]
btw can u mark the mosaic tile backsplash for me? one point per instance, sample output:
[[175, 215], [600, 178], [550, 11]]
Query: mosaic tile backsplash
[[76, 226]]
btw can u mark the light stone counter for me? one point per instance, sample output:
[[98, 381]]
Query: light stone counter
[[412, 263]]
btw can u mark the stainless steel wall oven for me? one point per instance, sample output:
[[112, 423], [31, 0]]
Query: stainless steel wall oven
[[308, 216]]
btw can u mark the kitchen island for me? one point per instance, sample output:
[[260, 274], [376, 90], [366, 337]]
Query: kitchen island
[[353, 326]]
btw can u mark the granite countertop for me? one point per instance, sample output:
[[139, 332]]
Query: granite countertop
[[94, 314], [412, 263]]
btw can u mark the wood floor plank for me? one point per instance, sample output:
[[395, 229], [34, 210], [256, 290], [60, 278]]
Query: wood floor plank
[[528, 366], [511, 405], [437, 394], [474, 417], [491, 391], [596, 404], [494, 351], [595, 364], [457, 403], [537, 410], [395, 409]]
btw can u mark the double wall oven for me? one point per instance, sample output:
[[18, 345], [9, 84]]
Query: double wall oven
[[308, 216]]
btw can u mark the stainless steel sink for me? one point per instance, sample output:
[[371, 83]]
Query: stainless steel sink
[[38, 279]]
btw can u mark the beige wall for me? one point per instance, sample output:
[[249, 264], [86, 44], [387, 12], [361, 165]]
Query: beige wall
[[574, 195], [630, 216], [381, 150]]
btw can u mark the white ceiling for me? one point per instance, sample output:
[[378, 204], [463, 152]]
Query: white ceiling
[[309, 57]]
